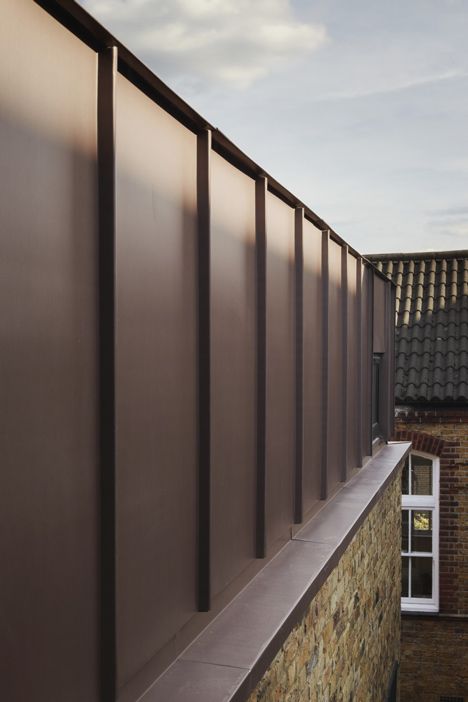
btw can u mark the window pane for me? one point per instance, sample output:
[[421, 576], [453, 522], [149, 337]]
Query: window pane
[[405, 478], [421, 530], [404, 529], [421, 475], [421, 577], [404, 576]]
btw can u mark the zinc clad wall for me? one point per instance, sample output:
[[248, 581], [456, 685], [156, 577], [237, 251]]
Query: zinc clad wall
[[48, 361], [312, 321], [204, 388], [280, 398], [155, 377], [233, 389], [335, 366]]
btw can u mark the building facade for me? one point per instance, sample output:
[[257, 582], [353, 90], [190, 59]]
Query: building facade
[[431, 391], [197, 402]]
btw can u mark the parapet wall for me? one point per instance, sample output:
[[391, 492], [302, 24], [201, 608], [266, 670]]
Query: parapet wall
[[345, 647]]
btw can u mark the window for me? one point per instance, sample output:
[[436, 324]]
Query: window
[[420, 533], [376, 390]]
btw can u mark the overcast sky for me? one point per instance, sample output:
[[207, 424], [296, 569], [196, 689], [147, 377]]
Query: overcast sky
[[359, 107]]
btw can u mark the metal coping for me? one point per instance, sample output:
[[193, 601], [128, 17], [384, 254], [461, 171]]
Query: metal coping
[[75, 18]]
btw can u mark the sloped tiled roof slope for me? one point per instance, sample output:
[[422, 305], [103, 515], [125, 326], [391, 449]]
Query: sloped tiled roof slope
[[431, 324]]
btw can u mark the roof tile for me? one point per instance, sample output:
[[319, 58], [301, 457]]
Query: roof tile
[[432, 324]]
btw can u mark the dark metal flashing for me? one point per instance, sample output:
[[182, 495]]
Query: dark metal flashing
[[299, 343], [344, 360], [228, 659], [75, 18], [370, 351], [107, 71], [359, 365], [324, 388], [260, 236], [204, 405]]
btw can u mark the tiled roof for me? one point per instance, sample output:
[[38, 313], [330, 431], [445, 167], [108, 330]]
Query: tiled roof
[[432, 324]]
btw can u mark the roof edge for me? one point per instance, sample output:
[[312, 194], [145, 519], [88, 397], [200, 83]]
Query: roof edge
[[417, 255]]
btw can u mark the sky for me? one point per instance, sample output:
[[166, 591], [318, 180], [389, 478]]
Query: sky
[[359, 107]]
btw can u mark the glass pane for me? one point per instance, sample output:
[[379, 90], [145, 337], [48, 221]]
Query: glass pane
[[421, 475], [404, 529], [421, 577], [421, 530], [404, 576], [405, 478]]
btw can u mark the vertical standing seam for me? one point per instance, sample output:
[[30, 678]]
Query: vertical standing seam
[[107, 72]]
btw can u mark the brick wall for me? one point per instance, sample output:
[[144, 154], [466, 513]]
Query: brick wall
[[444, 433], [434, 658], [435, 649], [345, 646]]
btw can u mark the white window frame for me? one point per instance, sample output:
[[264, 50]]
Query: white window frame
[[426, 503]]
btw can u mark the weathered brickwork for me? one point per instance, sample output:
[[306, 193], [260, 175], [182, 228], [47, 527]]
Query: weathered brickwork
[[434, 658], [444, 432], [435, 650], [345, 646]]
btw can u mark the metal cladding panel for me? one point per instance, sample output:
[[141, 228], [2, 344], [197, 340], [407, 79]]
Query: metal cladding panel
[[233, 388], [49, 502], [312, 320], [380, 318], [353, 409], [335, 367], [280, 396], [366, 355], [155, 377]]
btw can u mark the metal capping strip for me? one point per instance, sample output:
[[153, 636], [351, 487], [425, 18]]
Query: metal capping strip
[[75, 18], [225, 663], [344, 362], [204, 361], [260, 249], [107, 71], [299, 362], [324, 388], [359, 364]]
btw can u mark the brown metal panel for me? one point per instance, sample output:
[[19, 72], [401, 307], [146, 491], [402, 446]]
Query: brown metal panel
[[49, 502], [156, 373], [233, 380], [379, 314], [353, 410], [312, 363], [280, 405], [335, 367]]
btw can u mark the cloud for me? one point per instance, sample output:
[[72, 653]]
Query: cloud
[[234, 42], [397, 87], [450, 222]]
